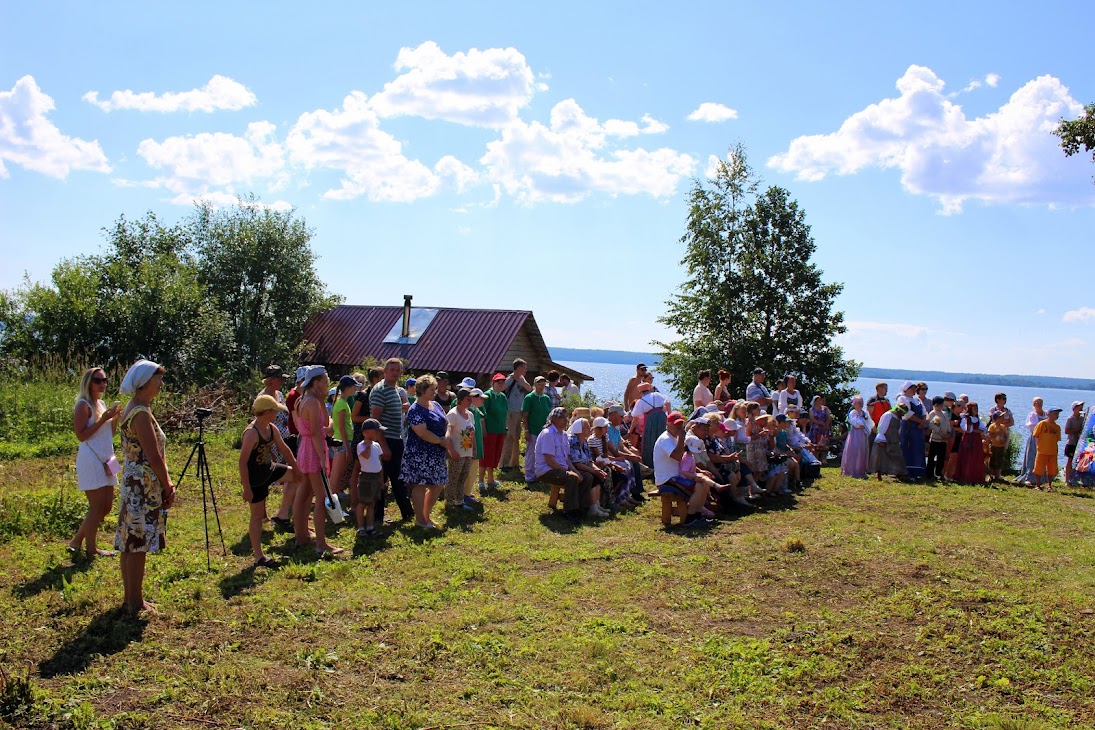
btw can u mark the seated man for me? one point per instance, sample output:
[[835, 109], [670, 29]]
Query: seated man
[[553, 465], [669, 449], [801, 445], [617, 436]]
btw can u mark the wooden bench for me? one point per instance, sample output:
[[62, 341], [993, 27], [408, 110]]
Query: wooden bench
[[673, 503], [553, 498]]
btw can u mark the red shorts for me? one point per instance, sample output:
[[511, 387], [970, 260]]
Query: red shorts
[[492, 450]]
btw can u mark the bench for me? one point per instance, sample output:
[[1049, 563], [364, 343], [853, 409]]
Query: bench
[[673, 503]]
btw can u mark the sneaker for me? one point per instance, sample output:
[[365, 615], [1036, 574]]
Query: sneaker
[[483, 487], [494, 485], [708, 514], [362, 532], [697, 522], [282, 524], [470, 501], [467, 507]]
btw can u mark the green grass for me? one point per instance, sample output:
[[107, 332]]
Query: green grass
[[860, 605]]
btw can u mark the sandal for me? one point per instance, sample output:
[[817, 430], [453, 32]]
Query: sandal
[[266, 562], [105, 553]]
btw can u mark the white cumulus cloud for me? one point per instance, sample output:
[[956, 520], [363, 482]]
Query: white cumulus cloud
[[992, 80], [216, 158], [479, 88], [710, 111], [571, 158], [220, 92], [1007, 156], [371, 161], [1083, 314], [29, 139]]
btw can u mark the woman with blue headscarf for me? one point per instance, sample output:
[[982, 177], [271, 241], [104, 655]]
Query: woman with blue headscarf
[[912, 429], [146, 488]]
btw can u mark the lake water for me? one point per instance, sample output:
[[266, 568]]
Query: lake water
[[610, 381]]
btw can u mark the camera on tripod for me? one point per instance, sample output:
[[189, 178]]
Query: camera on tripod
[[202, 413]]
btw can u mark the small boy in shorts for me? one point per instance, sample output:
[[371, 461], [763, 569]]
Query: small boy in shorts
[[1074, 425], [370, 480], [1047, 435], [998, 443], [258, 470]]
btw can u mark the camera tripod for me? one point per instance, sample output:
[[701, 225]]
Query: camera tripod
[[206, 480]]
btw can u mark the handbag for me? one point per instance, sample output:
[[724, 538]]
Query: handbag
[[334, 509]]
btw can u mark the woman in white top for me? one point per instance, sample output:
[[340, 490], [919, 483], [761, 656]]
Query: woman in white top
[[1037, 415], [96, 465], [788, 396], [701, 395]]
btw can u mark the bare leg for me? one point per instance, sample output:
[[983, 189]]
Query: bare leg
[[302, 506], [319, 511], [418, 500], [254, 528], [288, 495], [699, 496], [433, 493], [99, 503]]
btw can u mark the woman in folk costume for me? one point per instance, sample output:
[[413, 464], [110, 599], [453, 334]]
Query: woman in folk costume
[[853, 461], [887, 456], [912, 430]]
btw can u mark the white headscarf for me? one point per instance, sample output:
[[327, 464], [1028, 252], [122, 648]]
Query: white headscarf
[[577, 427], [138, 374]]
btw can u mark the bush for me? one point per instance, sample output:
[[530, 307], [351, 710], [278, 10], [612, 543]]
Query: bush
[[1014, 454]]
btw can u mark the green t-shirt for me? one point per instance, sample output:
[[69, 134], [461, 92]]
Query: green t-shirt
[[479, 416], [496, 407], [341, 405], [538, 408]]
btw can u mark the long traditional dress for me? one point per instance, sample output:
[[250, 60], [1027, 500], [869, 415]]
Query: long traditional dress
[[886, 456], [912, 439], [971, 454], [1026, 473], [853, 461]]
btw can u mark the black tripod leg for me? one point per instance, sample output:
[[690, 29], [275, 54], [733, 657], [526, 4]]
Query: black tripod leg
[[213, 498], [202, 466], [189, 459]]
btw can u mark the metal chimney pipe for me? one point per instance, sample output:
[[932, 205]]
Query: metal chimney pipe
[[407, 315]]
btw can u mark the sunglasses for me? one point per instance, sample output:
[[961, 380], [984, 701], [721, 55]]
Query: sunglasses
[[100, 381]]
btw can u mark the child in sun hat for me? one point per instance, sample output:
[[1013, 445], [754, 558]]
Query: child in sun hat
[[258, 470], [1047, 437]]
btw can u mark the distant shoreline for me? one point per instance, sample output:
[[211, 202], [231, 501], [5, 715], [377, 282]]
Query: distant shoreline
[[627, 357]]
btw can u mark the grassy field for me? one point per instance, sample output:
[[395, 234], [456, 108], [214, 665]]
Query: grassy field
[[855, 605]]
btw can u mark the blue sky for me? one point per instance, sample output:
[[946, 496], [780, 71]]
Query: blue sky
[[518, 157]]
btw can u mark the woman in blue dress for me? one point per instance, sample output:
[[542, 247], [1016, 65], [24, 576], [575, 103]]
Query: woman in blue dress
[[424, 469], [912, 429]]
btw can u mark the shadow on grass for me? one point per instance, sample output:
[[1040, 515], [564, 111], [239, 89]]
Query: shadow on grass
[[560, 525], [464, 520], [368, 545], [233, 585], [108, 633], [52, 579]]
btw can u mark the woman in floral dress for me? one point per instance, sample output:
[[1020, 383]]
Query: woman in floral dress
[[146, 488], [424, 469]]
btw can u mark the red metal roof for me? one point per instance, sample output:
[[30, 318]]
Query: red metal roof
[[460, 340]]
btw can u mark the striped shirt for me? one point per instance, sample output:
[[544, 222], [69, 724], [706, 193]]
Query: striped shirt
[[386, 397]]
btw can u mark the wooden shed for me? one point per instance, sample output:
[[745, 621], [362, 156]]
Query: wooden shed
[[462, 342]]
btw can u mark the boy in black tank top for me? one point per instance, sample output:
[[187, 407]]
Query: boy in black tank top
[[258, 470]]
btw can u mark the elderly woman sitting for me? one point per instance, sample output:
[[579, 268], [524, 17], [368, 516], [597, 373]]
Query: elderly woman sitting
[[582, 459], [607, 456]]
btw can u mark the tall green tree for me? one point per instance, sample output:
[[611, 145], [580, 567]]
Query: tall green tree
[[1077, 133], [258, 266], [214, 297], [752, 295]]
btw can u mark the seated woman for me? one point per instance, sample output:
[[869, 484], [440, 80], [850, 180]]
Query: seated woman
[[607, 457], [721, 459], [582, 458]]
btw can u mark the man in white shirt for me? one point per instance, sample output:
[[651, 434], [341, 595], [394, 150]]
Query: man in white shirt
[[669, 449], [756, 391]]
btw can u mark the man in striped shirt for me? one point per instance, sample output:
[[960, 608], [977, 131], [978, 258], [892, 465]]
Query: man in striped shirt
[[387, 403]]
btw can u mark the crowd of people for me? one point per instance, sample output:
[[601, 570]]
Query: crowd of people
[[378, 436], [946, 438]]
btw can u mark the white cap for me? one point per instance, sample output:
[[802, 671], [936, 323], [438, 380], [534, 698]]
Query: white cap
[[600, 422], [695, 445], [468, 383]]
